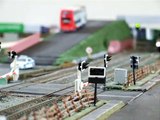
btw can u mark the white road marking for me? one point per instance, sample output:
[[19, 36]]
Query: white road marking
[[116, 96], [135, 97]]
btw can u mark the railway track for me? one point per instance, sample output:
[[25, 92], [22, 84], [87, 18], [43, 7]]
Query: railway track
[[123, 62], [67, 75], [59, 75], [41, 79], [24, 108], [16, 111]]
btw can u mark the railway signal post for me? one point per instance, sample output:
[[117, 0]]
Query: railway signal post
[[78, 82], [107, 58], [14, 68], [134, 60]]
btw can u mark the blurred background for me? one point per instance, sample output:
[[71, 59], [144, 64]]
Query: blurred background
[[46, 12], [21, 19]]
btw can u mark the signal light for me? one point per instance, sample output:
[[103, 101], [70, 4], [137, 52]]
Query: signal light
[[79, 66], [12, 54], [106, 59], [85, 65], [134, 62], [82, 65], [109, 58]]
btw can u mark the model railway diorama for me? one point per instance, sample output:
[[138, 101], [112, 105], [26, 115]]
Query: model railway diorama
[[86, 67]]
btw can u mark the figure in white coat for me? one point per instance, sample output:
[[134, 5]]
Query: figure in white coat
[[14, 66], [14, 73], [14, 69]]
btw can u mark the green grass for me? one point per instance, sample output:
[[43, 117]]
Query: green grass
[[3, 81], [117, 30], [3, 56]]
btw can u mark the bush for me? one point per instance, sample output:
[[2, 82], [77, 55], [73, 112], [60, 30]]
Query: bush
[[3, 56]]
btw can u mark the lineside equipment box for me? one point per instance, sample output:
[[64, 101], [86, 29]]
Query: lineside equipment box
[[120, 76]]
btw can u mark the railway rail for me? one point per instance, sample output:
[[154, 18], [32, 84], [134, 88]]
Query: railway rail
[[41, 79], [16, 111], [67, 75]]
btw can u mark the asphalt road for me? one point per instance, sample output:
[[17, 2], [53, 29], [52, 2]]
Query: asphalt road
[[46, 52], [146, 107], [125, 96]]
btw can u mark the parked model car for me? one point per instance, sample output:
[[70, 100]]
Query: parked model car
[[25, 62]]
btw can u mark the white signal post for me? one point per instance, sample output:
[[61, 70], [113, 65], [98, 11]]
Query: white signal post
[[107, 58], [15, 69], [14, 73], [78, 82]]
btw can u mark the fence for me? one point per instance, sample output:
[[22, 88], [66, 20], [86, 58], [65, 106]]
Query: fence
[[62, 109], [143, 72]]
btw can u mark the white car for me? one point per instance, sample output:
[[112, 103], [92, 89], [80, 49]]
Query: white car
[[25, 62]]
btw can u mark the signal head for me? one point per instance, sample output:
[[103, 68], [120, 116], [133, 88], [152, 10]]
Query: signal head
[[82, 65], [12, 54], [107, 57], [134, 61]]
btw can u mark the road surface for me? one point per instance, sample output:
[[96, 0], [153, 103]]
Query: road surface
[[146, 107], [47, 51]]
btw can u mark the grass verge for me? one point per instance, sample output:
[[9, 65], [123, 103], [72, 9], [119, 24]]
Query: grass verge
[[117, 30]]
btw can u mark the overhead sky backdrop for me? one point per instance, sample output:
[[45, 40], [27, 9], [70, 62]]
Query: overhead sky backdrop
[[46, 12]]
